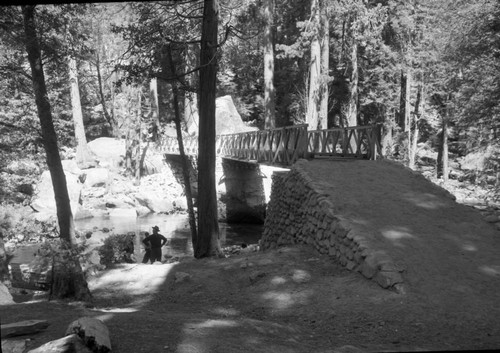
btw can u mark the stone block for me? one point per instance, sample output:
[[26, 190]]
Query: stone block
[[388, 279], [368, 270], [93, 333], [351, 265]]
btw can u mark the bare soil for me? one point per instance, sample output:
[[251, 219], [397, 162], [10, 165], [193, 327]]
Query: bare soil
[[292, 299], [288, 300]]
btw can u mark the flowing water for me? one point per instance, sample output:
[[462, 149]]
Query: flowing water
[[174, 227]]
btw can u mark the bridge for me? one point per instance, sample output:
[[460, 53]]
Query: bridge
[[284, 146], [371, 215]]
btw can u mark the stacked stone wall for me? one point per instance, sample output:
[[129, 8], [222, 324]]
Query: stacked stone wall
[[300, 212]]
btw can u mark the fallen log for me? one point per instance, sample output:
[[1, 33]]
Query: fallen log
[[20, 328]]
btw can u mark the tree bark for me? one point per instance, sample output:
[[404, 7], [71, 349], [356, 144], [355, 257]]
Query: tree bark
[[191, 114], [352, 103], [207, 242], [416, 121], [153, 92], [404, 111], [109, 118], [269, 90], [325, 65], [442, 163], [84, 157], [313, 101], [75, 280]]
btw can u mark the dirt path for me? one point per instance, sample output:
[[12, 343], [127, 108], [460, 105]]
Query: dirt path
[[295, 300]]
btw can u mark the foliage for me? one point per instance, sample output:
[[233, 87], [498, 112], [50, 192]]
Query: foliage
[[117, 248]]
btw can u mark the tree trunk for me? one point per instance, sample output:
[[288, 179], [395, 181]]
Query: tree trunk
[[325, 63], [153, 92], [64, 215], [184, 160], [404, 111], [313, 101], [110, 119], [416, 121], [404, 102], [76, 280], [137, 141], [207, 243], [269, 91], [191, 115], [442, 162], [84, 157], [352, 104]]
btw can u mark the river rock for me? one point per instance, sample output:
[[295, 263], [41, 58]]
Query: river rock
[[5, 296], [109, 151], [123, 212], [96, 177], [44, 201], [155, 202], [70, 166]]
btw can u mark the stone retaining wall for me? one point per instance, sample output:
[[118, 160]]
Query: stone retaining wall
[[299, 211]]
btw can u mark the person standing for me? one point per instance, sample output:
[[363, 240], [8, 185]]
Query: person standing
[[147, 255], [154, 242]]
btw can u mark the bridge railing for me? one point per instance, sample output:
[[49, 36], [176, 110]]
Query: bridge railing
[[170, 145], [355, 141], [274, 146], [284, 146]]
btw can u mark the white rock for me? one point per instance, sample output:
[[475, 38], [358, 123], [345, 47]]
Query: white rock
[[96, 177], [44, 200], [5, 296], [123, 212]]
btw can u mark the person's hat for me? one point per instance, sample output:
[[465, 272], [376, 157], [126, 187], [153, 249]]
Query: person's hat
[[156, 227]]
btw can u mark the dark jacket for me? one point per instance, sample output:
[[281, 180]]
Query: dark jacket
[[155, 240]]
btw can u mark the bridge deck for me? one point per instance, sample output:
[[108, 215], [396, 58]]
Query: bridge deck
[[450, 255]]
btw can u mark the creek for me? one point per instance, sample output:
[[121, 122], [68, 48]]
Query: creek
[[175, 227]]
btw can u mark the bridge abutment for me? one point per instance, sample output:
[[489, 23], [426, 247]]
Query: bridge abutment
[[299, 212]]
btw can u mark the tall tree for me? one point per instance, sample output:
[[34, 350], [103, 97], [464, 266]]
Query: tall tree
[[269, 91], [208, 242], [69, 282], [84, 157], [314, 91]]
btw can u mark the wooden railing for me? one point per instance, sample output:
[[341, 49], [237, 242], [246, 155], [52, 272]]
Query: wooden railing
[[354, 142], [284, 146], [170, 145]]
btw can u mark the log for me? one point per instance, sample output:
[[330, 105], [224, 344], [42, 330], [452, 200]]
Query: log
[[93, 333], [23, 328], [67, 344]]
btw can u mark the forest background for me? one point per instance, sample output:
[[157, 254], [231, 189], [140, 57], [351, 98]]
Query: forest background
[[427, 71]]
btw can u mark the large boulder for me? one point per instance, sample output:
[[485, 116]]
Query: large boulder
[[44, 201], [227, 119], [96, 177], [109, 151], [155, 202]]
